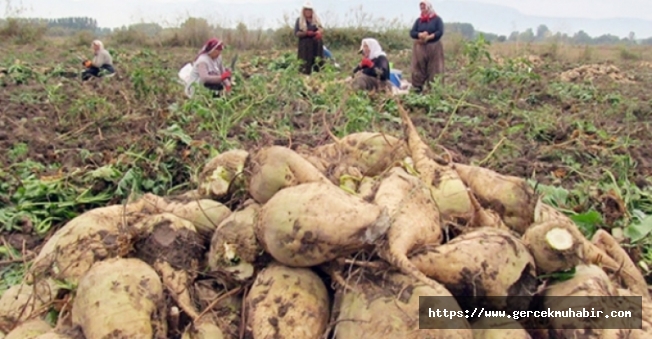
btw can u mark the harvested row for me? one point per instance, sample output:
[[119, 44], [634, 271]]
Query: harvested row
[[338, 241]]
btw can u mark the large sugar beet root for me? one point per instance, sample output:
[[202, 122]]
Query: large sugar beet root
[[221, 173], [446, 187], [370, 153], [414, 216], [287, 303], [388, 307], [234, 247], [512, 197], [484, 262], [21, 302], [273, 168], [29, 329], [92, 236], [204, 214], [122, 298], [589, 282], [310, 224]]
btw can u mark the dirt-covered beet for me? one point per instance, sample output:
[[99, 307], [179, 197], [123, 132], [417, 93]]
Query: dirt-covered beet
[[484, 262], [387, 307], [29, 329], [415, 219], [448, 190], [222, 173], [23, 301], [273, 168], [287, 303], [234, 248], [169, 238], [367, 153], [120, 298], [511, 197], [588, 281], [92, 236], [310, 224]]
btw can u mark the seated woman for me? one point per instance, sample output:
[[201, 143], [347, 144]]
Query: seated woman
[[373, 71], [208, 69], [102, 62]]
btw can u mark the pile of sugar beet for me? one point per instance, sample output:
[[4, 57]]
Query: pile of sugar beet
[[335, 241]]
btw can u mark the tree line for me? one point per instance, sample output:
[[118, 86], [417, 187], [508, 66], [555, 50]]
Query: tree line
[[72, 25]]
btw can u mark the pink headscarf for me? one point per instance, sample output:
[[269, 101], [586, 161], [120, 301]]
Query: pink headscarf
[[431, 12], [210, 45]]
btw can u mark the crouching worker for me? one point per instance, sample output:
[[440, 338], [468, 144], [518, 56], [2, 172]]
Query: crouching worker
[[101, 64], [208, 69], [373, 71]]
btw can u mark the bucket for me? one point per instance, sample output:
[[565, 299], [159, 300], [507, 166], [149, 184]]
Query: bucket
[[395, 77]]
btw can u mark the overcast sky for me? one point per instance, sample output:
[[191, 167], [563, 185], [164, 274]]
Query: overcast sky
[[114, 13]]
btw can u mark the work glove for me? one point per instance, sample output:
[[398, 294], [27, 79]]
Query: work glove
[[87, 63], [366, 63], [318, 35], [226, 75]]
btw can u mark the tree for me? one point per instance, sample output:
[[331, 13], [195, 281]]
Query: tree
[[542, 32]]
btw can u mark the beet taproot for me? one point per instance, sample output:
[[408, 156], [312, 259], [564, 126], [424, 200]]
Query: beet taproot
[[234, 247], [273, 168], [387, 307], [287, 303], [121, 298], [222, 173], [312, 223], [486, 262]]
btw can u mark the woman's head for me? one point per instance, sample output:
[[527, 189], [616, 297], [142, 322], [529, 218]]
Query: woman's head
[[307, 10], [426, 8], [213, 47], [97, 45], [371, 48]]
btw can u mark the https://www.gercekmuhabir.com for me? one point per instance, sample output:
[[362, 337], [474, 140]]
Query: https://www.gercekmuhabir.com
[[570, 313]]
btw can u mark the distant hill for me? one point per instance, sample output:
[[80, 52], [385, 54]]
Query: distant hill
[[484, 17]]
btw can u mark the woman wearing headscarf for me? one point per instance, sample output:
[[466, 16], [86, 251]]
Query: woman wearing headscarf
[[208, 68], [373, 71], [309, 30], [102, 62], [427, 52]]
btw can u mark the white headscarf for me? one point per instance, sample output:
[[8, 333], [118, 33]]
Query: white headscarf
[[98, 43], [429, 8], [374, 48], [303, 24]]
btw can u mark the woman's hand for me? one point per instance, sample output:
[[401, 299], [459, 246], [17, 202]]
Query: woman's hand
[[226, 75], [366, 63]]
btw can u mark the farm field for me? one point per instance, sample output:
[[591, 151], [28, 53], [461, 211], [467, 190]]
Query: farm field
[[578, 131]]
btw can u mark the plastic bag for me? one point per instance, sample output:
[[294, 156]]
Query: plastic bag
[[184, 73]]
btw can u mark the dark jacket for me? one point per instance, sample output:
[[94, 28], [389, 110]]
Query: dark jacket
[[380, 69], [435, 25], [311, 27]]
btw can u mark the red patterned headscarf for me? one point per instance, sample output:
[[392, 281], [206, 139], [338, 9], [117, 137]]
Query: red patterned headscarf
[[210, 45]]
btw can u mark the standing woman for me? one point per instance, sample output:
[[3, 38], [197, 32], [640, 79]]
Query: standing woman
[[208, 69], [428, 52], [102, 62], [309, 30]]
